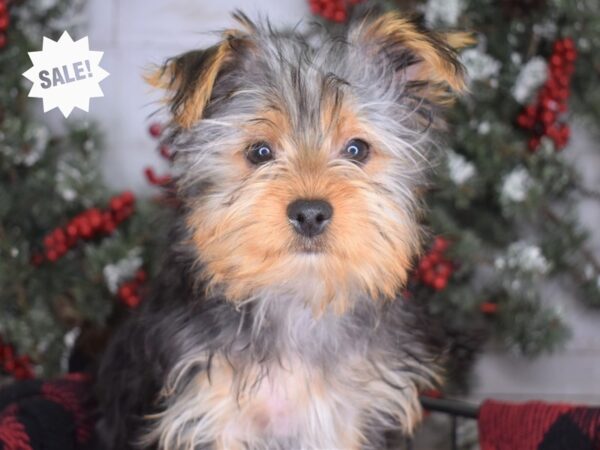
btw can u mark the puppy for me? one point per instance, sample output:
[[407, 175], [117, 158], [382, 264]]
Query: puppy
[[277, 320]]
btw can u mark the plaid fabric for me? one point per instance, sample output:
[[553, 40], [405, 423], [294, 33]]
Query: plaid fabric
[[48, 415], [538, 426]]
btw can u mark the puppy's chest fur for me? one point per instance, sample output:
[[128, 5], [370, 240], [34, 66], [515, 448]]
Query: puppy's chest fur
[[289, 380]]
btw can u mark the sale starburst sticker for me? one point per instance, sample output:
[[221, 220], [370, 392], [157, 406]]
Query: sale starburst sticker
[[66, 74]]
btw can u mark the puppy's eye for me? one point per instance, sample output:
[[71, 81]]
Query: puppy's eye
[[356, 150], [259, 153]]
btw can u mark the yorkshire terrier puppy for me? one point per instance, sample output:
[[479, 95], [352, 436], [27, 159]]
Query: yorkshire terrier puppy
[[277, 321]]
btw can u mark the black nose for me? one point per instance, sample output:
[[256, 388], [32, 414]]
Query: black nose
[[309, 217]]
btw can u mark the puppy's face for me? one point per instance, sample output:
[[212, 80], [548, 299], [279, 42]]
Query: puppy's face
[[302, 155]]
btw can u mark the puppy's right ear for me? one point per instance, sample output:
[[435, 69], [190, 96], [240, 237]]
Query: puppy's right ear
[[426, 59], [189, 80]]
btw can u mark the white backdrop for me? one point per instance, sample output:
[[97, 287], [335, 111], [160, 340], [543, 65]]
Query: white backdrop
[[136, 33]]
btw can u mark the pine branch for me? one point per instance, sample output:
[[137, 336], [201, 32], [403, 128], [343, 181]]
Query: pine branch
[[585, 252], [587, 192]]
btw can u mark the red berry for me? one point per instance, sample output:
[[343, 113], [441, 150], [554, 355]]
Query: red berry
[[329, 11], [315, 7], [440, 244], [563, 80], [154, 179], [489, 308], [51, 255], [122, 214], [95, 218], [340, 16], [429, 277], [128, 197], [118, 217], [4, 21], [559, 46], [165, 152], [552, 132], [435, 257], [126, 290], [36, 259], [524, 121], [155, 130], [141, 276], [49, 241], [556, 60], [71, 241], [548, 117], [425, 265], [568, 43], [9, 365], [61, 249], [440, 283], [109, 226], [71, 229], [533, 144], [116, 203], [549, 104], [20, 373], [150, 175], [85, 230], [133, 301], [444, 269], [82, 220], [562, 95], [553, 88], [59, 236], [8, 352], [569, 69]]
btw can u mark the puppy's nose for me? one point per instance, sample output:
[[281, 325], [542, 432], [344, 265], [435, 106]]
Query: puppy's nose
[[309, 217]]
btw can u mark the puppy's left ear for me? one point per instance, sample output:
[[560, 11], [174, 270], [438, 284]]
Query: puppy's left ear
[[189, 79], [424, 59]]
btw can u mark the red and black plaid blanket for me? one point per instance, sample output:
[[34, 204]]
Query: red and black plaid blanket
[[538, 426], [60, 415], [48, 415]]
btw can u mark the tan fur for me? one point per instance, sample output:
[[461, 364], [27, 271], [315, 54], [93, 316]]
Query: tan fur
[[250, 246], [459, 39], [435, 67], [392, 26], [193, 107], [317, 409]]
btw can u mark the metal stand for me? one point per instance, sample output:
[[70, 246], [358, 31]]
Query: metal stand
[[455, 408]]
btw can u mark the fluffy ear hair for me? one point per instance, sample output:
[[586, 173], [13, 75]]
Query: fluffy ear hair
[[426, 60], [189, 79]]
